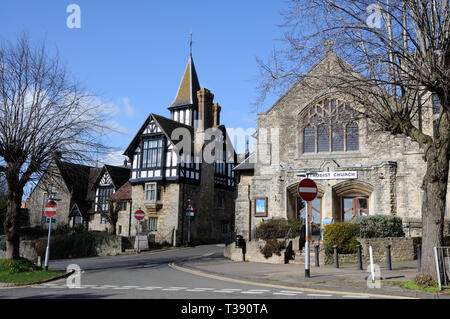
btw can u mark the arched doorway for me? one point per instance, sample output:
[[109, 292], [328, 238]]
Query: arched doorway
[[297, 208], [351, 199]]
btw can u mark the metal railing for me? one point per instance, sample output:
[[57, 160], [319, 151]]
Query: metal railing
[[442, 259]]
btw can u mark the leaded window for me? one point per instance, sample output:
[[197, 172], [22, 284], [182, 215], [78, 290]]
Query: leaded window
[[328, 126], [152, 153]]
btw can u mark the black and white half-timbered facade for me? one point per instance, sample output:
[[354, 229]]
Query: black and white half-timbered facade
[[108, 181], [168, 169]]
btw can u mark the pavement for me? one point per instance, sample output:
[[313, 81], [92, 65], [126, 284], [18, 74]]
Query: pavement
[[347, 278]]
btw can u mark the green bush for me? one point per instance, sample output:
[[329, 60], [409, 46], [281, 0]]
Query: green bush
[[80, 228], [278, 228], [271, 247], [379, 226], [18, 266], [342, 235]]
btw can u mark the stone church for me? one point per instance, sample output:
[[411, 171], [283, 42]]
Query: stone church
[[165, 177], [359, 172]]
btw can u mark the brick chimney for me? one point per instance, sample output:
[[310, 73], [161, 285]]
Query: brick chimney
[[205, 109], [216, 114]]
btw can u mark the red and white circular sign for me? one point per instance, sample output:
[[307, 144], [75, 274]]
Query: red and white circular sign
[[139, 215], [190, 208], [50, 209], [307, 189]]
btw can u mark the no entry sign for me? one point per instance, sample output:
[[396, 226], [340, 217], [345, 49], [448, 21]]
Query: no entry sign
[[50, 209], [139, 215], [307, 190]]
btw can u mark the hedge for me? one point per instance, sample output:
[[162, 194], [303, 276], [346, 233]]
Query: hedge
[[278, 228], [342, 235], [379, 226]]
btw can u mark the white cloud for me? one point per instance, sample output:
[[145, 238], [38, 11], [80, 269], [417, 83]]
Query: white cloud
[[114, 158], [130, 111]]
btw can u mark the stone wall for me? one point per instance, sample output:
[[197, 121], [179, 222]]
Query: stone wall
[[32, 249], [402, 249], [253, 253]]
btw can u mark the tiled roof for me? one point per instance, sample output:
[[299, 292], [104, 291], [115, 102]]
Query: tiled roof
[[123, 193]]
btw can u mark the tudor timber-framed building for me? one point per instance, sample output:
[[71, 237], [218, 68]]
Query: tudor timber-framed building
[[164, 177]]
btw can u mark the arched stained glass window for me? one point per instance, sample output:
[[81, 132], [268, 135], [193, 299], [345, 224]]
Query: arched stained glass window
[[337, 143], [352, 137], [323, 137], [330, 118], [309, 140]]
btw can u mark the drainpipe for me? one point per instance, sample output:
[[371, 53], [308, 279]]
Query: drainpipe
[[249, 215], [129, 219]]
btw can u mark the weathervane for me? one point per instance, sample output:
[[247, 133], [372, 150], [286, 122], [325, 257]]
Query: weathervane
[[329, 44], [190, 44]]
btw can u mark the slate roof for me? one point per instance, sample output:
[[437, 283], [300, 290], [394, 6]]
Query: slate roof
[[119, 175], [189, 86], [166, 125], [78, 178], [247, 165]]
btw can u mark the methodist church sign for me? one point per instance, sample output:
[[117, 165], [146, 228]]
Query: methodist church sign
[[334, 175]]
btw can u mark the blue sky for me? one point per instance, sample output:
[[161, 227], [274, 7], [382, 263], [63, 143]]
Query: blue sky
[[132, 54]]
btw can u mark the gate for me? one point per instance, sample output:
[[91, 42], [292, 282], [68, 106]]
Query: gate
[[442, 259]]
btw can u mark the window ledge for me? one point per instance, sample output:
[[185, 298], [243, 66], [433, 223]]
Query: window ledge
[[153, 206]]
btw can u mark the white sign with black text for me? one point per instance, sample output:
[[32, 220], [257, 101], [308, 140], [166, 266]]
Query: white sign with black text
[[333, 175]]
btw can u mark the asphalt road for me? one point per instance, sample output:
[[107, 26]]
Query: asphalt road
[[149, 276]]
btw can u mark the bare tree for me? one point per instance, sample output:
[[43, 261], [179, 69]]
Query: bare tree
[[398, 54], [110, 212], [42, 112]]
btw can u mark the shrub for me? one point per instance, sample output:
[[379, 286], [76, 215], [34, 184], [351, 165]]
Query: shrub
[[342, 235], [18, 266], [425, 280], [79, 228], [3, 244], [278, 228], [271, 247], [379, 226], [63, 230]]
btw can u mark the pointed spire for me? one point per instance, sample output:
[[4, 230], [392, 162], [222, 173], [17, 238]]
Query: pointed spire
[[187, 92]]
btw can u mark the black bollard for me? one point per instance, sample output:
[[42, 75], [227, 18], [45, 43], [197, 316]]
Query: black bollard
[[317, 255], [360, 266], [419, 257], [388, 257], [336, 257], [244, 249]]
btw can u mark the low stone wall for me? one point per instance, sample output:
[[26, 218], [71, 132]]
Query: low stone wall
[[402, 249], [32, 249], [27, 250], [253, 253]]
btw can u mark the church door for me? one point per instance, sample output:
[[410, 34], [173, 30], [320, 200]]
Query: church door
[[315, 213]]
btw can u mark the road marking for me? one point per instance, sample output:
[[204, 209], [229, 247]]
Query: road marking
[[284, 294], [318, 295], [248, 282], [196, 290], [252, 292], [210, 289], [355, 297], [179, 288], [232, 289], [291, 292], [259, 290], [225, 291], [121, 288]]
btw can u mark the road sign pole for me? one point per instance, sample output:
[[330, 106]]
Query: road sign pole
[[189, 230], [138, 228], [307, 271], [47, 250]]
